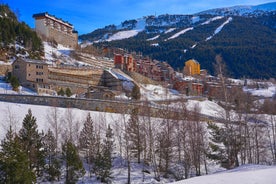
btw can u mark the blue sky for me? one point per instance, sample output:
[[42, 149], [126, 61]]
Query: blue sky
[[88, 15]]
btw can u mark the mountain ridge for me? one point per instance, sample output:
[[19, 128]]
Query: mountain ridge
[[243, 10], [242, 39]]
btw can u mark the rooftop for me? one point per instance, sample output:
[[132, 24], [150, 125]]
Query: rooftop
[[46, 14], [33, 61]]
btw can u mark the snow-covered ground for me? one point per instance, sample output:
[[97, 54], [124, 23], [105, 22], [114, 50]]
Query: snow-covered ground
[[155, 93], [60, 53], [6, 88], [247, 174], [264, 92], [13, 112], [51, 52]]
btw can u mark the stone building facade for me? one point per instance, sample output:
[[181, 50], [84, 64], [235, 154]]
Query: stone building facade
[[52, 28], [32, 74], [45, 79]]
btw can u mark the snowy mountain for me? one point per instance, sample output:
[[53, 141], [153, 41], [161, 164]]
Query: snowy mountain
[[166, 23], [242, 10], [243, 35]]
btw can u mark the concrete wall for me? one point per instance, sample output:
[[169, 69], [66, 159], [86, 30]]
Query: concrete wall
[[40, 27], [70, 40]]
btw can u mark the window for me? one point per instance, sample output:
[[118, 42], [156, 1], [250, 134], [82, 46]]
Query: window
[[39, 73], [39, 80], [39, 66], [16, 67]]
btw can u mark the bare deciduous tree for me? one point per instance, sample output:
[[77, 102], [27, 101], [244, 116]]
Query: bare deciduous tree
[[11, 120], [71, 127], [53, 117]]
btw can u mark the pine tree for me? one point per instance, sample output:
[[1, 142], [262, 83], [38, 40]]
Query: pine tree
[[53, 162], [103, 162], [88, 140], [74, 166], [61, 92], [226, 155], [68, 92], [14, 83], [14, 163], [32, 143]]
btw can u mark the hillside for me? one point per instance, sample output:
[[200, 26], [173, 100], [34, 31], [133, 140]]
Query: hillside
[[17, 38], [13, 114], [248, 174], [244, 36]]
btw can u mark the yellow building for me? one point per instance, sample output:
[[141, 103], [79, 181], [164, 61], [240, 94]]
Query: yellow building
[[192, 67]]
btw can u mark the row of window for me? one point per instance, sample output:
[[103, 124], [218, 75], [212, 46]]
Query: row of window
[[39, 73], [39, 80], [39, 66]]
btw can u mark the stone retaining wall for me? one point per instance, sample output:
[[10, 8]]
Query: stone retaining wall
[[4, 69], [80, 103]]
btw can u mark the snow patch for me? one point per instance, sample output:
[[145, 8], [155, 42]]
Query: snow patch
[[180, 33], [155, 44], [211, 20], [192, 47], [153, 38], [170, 30], [139, 27], [195, 19], [123, 35], [268, 92], [219, 28]]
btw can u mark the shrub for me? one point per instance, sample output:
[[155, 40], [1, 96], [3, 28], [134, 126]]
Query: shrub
[[14, 83], [68, 92], [61, 92]]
